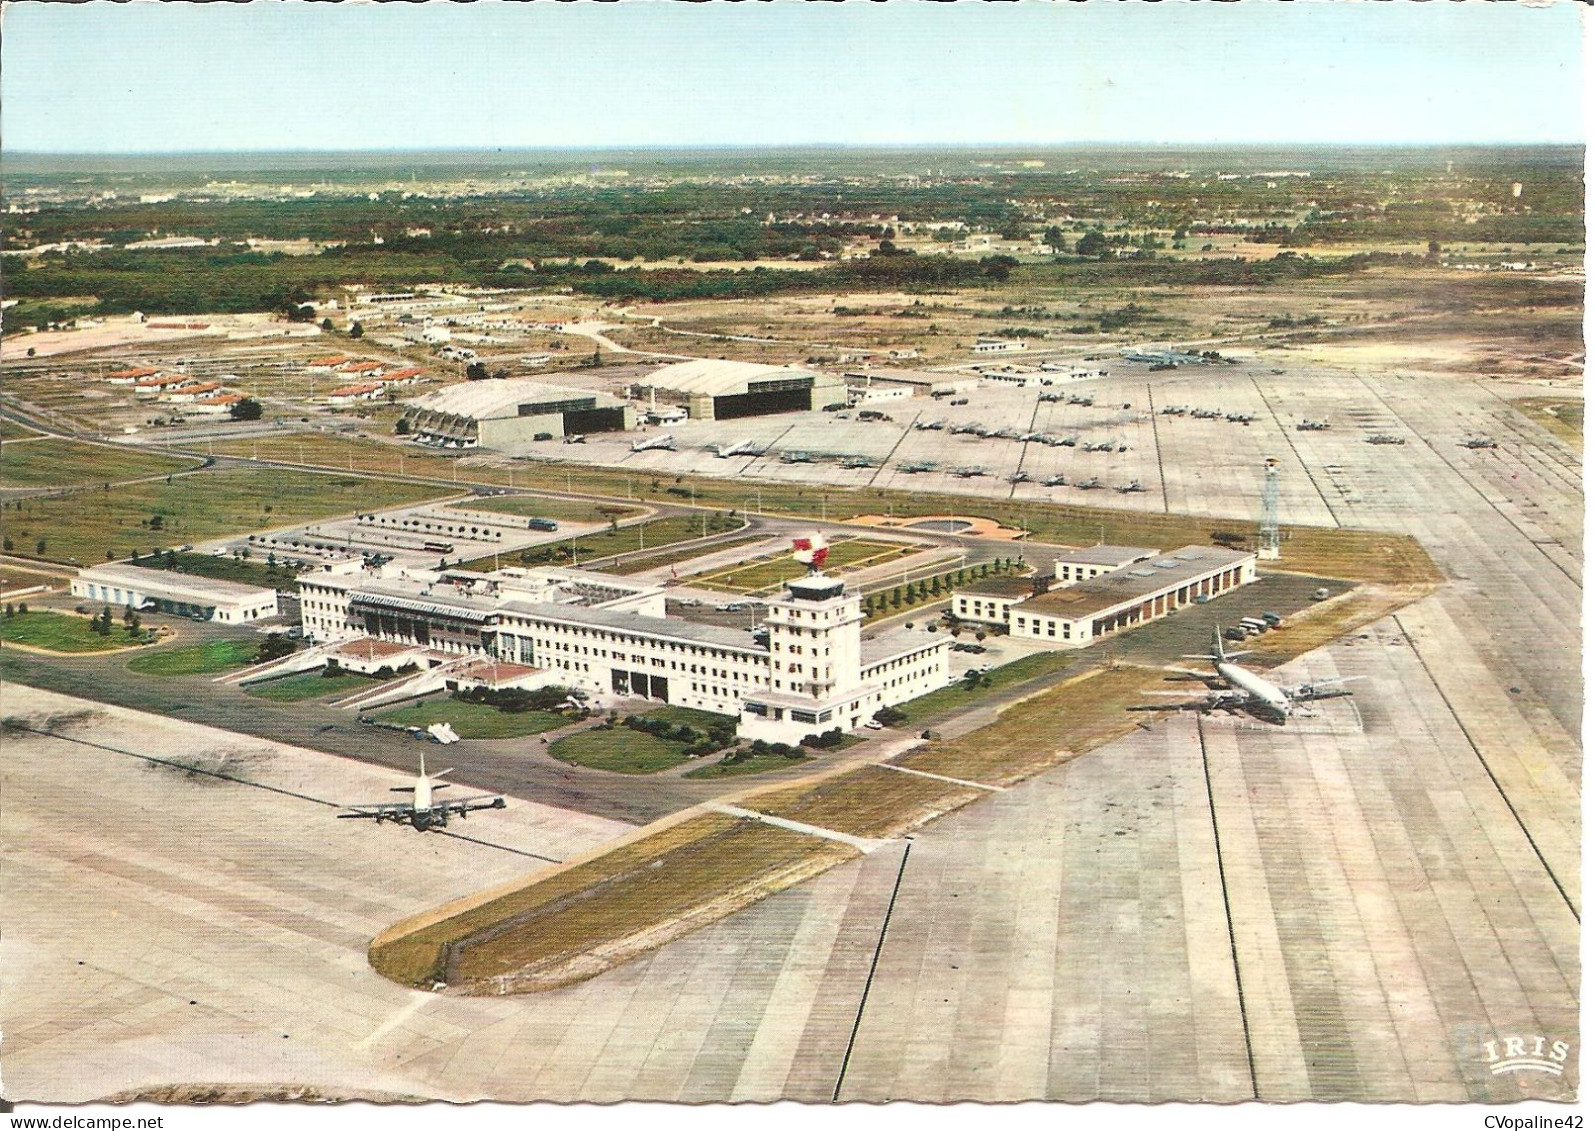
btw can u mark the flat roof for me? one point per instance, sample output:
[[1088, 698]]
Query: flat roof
[[495, 398], [718, 378], [671, 628], [1126, 585], [1000, 586], [210, 588], [883, 648], [1106, 555]]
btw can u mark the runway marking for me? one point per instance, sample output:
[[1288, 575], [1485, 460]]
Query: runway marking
[[400, 1015], [939, 777], [13, 725], [1228, 912], [1482, 761], [868, 982], [862, 844]]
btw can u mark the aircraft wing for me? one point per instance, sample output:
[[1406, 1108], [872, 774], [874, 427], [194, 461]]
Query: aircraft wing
[[1217, 701], [379, 812], [1322, 689], [461, 806]]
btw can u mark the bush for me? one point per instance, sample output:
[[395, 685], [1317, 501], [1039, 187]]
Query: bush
[[516, 700], [890, 716]]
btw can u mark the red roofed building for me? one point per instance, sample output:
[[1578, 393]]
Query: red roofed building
[[128, 376], [219, 405], [148, 388], [192, 392], [361, 367], [402, 376], [328, 364], [351, 393]]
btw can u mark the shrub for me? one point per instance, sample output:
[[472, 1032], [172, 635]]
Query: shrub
[[890, 716]]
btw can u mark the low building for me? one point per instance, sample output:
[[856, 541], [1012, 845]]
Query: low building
[[998, 345], [183, 394], [402, 376], [871, 393], [510, 413], [1088, 562], [327, 364], [165, 591], [364, 369], [348, 394], [131, 376], [155, 386], [990, 599], [219, 405], [1074, 616]]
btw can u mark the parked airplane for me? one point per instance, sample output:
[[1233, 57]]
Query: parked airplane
[[930, 425], [964, 429], [1102, 446], [1051, 398], [1175, 410], [1088, 484], [1234, 688], [917, 466], [1054, 481], [664, 443], [1312, 426], [1018, 477], [1080, 400], [1131, 487], [423, 811], [575, 438], [1385, 438], [796, 457], [1240, 417], [740, 448], [1479, 442], [856, 463], [973, 472]]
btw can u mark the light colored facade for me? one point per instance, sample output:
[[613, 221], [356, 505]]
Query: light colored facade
[[203, 598], [610, 636], [1086, 563], [998, 345], [1073, 616], [509, 413], [990, 600]]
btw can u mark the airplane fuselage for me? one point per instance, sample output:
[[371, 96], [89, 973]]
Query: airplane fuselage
[[1261, 693]]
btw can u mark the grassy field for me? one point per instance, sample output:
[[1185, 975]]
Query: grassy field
[[620, 750], [197, 659], [1562, 416], [246, 571], [690, 716], [11, 430], [868, 801], [310, 685], [753, 764], [473, 720], [591, 549], [67, 463], [675, 557], [61, 632], [1358, 555], [543, 934], [960, 696], [88, 525], [560, 510], [770, 573]]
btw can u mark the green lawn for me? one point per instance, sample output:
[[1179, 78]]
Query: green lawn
[[67, 463], [197, 659], [621, 750], [310, 685], [591, 549], [247, 571], [771, 573], [675, 557], [61, 632], [691, 716], [958, 697], [755, 764], [473, 720], [86, 525], [11, 430], [560, 510]]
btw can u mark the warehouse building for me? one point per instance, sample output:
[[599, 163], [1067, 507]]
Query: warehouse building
[[610, 636], [158, 590], [509, 413], [730, 390]]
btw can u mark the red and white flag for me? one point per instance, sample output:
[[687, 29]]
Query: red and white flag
[[811, 551]]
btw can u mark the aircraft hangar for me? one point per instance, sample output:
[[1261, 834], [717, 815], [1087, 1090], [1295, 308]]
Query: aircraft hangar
[[501, 413], [729, 390]]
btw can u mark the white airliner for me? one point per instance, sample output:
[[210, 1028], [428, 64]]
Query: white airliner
[[423, 811], [664, 443], [1238, 689]]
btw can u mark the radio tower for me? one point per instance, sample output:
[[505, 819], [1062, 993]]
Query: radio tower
[[1267, 534]]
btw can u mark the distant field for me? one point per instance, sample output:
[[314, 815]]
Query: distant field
[[197, 659], [474, 720], [67, 463], [11, 430], [560, 510], [89, 525], [311, 685], [61, 632], [1563, 416]]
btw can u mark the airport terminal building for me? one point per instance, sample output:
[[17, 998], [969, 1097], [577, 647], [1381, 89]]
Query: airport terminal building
[[510, 412], [610, 636]]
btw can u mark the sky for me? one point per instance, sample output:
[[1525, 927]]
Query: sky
[[279, 74]]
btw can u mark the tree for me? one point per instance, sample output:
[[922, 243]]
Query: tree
[[326, 325], [1433, 249], [247, 409], [39, 547], [402, 428], [1092, 243], [1054, 238], [356, 330], [476, 371]]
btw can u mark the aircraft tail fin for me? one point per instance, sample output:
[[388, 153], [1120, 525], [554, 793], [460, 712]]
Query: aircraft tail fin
[[1218, 654]]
